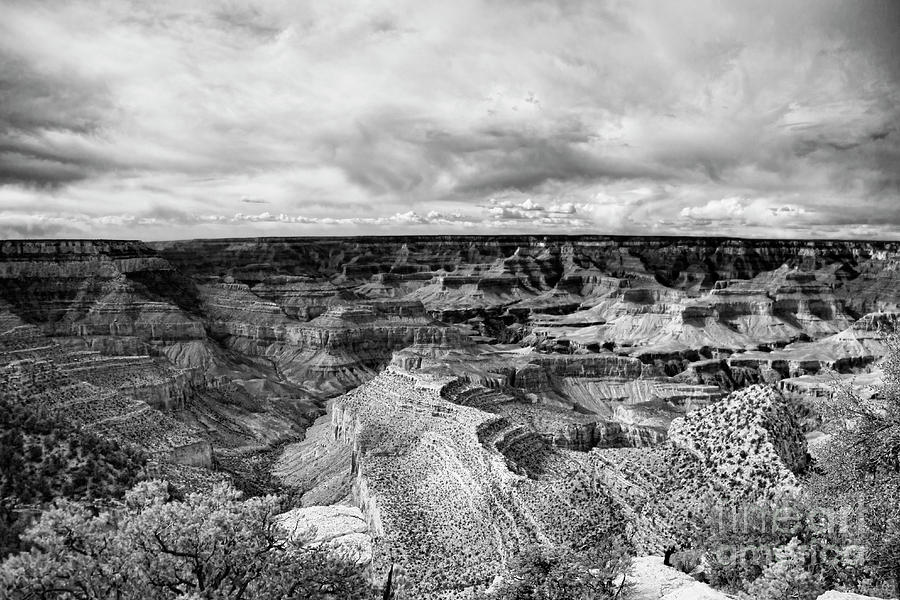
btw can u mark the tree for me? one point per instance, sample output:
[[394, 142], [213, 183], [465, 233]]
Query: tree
[[544, 572], [213, 545], [43, 457], [787, 577], [860, 466], [748, 549]]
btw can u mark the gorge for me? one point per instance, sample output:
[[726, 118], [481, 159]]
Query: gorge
[[452, 400]]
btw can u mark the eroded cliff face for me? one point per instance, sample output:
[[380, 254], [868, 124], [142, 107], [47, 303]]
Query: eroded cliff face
[[608, 314], [451, 491], [666, 301], [441, 464], [113, 336], [115, 396], [97, 290]]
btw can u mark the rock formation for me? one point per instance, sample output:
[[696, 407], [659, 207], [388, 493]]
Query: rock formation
[[452, 491], [342, 530], [457, 391], [743, 449]]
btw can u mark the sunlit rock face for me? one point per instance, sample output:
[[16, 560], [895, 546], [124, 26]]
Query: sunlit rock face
[[833, 595], [341, 530], [450, 489]]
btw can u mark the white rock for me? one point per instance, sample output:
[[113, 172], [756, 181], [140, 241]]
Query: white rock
[[341, 529], [832, 595], [652, 580]]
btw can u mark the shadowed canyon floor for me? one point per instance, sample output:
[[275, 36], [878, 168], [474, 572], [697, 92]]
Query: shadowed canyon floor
[[441, 403]]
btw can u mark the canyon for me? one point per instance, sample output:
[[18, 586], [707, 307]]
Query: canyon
[[438, 403]]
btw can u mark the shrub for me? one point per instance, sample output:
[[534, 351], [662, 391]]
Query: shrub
[[859, 469], [207, 546], [43, 457], [787, 577], [564, 573]]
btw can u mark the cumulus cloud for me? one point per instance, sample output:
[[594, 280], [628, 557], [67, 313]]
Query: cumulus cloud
[[172, 119], [734, 211]]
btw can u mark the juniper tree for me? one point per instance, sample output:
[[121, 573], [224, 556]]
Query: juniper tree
[[212, 545]]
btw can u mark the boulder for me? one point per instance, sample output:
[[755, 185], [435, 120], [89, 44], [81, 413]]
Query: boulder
[[833, 595], [342, 530], [652, 580]]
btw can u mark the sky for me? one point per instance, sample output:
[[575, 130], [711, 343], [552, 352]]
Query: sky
[[171, 120]]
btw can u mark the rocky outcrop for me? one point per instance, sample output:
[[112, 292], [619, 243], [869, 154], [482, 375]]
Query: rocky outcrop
[[319, 465], [651, 579], [450, 491], [593, 365], [304, 298], [753, 433], [98, 289], [608, 434], [346, 343], [881, 322], [351, 343], [341, 530], [833, 595], [748, 447]]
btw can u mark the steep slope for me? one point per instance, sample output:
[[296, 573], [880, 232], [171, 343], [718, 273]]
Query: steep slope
[[746, 448], [439, 486]]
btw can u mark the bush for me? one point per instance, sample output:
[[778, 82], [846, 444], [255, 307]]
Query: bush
[[746, 550], [787, 577], [208, 546], [43, 457], [565, 573], [859, 469]]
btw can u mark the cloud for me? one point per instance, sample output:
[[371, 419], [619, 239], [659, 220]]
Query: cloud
[[734, 210], [397, 116]]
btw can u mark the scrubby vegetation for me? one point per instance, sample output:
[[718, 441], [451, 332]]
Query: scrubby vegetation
[[587, 572], [43, 457], [841, 532], [781, 549], [213, 545], [860, 468]]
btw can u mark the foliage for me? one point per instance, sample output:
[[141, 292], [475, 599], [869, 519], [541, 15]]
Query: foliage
[[546, 572], [746, 550], [860, 467], [737, 543], [842, 533], [207, 546], [687, 561], [787, 577], [42, 458]]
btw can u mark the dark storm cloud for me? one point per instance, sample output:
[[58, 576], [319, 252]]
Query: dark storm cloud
[[34, 105], [391, 154]]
